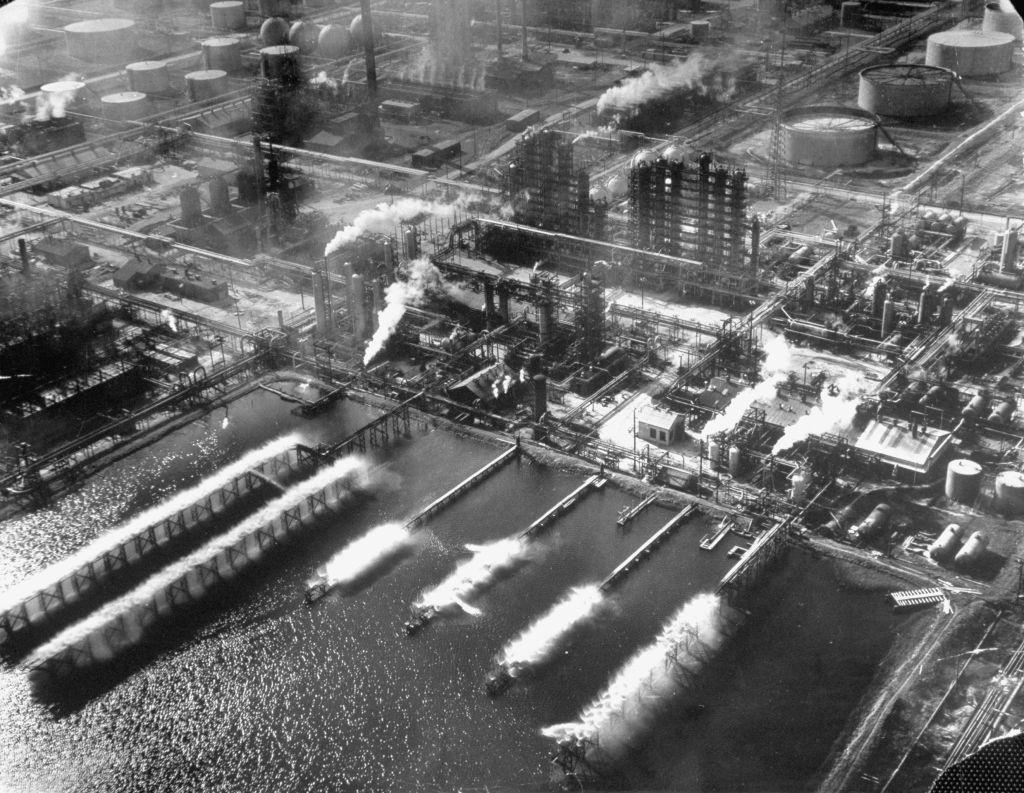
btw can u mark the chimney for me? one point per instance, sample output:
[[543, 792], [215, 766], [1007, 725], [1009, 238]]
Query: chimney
[[26, 266], [540, 396], [371, 64]]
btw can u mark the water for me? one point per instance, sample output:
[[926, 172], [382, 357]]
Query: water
[[261, 692]]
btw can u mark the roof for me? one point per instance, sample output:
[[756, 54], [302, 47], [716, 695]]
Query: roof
[[58, 246], [896, 444], [325, 140], [657, 417], [136, 267]]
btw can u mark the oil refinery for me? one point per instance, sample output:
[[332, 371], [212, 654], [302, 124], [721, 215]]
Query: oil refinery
[[526, 395]]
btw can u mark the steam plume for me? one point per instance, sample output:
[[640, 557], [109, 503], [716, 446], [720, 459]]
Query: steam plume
[[423, 278], [476, 574], [776, 365], [384, 217], [710, 74], [836, 411], [361, 557], [54, 103]]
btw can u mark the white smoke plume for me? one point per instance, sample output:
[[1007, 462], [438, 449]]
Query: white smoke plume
[[322, 79], [476, 574], [540, 641], [422, 279], [385, 216], [10, 94], [364, 555], [53, 104], [619, 717], [709, 73], [835, 412], [778, 357]]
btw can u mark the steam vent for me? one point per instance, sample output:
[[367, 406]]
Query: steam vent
[[654, 368]]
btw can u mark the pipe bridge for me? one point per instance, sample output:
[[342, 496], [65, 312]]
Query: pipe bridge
[[763, 552], [378, 433]]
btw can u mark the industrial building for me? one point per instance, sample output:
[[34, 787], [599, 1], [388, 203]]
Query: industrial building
[[290, 270]]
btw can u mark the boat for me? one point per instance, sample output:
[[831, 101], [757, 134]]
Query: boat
[[318, 586], [420, 619], [499, 681]]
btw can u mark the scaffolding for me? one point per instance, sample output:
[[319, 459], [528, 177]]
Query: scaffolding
[[545, 188]]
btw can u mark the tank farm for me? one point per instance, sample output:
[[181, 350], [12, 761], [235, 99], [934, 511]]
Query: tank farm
[[511, 396]]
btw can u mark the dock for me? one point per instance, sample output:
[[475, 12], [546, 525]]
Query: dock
[[710, 541], [563, 506], [645, 549], [913, 598], [631, 512]]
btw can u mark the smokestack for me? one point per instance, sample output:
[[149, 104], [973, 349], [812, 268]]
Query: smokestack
[[280, 318], [540, 396], [522, 7], [489, 302], [26, 266], [378, 303], [755, 243], [389, 260], [503, 303], [878, 296], [1008, 258], [371, 63], [946, 310], [319, 307], [411, 248], [358, 307], [924, 306], [347, 271], [498, 6], [544, 320]]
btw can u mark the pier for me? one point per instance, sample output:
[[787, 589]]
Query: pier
[[762, 552], [631, 512], [629, 564], [561, 507], [378, 433], [122, 623], [81, 582], [912, 598]]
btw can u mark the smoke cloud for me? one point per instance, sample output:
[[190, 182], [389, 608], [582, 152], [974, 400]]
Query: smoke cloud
[[54, 103], [423, 279], [385, 216], [708, 73], [619, 717], [778, 357], [361, 557], [836, 411]]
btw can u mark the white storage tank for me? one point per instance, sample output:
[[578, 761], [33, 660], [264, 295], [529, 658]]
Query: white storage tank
[[905, 90], [148, 77], [963, 480], [206, 84], [1000, 18], [829, 136], [228, 15], [125, 106], [971, 53], [947, 543], [735, 460], [223, 53], [617, 186], [1010, 493], [101, 40], [305, 36], [333, 41], [972, 550], [715, 454]]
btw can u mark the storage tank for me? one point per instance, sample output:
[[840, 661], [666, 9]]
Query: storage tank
[[829, 136], [998, 19], [223, 53], [148, 77], [971, 53], [972, 550], [905, 90], [963, 481], [228, 15], [700, 30], [58, 95], [280, 62], [191, 207], [304, 35], [1010, 493], [1003, 412], [850, 15], [274, 31], [888, 317], [618, 186], [206, 84], [715, 454], [999, 280], [873, 525], [220, 196], [333, 41], [642, 157], [359, 324], [101, 40], [125, 106], [898, 245], [735, 460], [946, 544], [355, 30], [976, 407]]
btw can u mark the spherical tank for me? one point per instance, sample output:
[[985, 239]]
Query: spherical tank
[[829, 136], [273, 31], [125, 105], [904, 90], [970, 53], [355, 29], [149, 77], [598, 194], [280, 62], [947, 543], [101, 40], [333, 41], [305, 36], [972, 550], [1010, 493], [998, 19], [617, 186], [228, 15], [223, 53], [963, 480], [643, 157], [206, 84]]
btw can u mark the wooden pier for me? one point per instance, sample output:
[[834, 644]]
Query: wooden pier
[[84, 580], [912, 598], [561, 507], [378, 433], [763, 551], [631, 512], [631, 561]]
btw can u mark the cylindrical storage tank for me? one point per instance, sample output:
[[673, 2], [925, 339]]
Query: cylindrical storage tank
[[888, 317], [735, 460], [715, 454], [545, 320], [101, 40], [206, 84], [976, 407], [540, 396], [191, 207], [280, 62], [333, 41], [223, 53], [57, 96], [905, 90], [700, 30], [273, 32], [1010, 493], [305, 36], [1000, 280], [963, 480], [829, 136], [947, 543], [800, 482], [125, 106], [898, 245], [1008, 254], [148, 77], [1003, 412], [228, 15], [220, 196], [971, 53], [850, 14], [933, 397], [972, 550], [1002, 20], [412, 248], [873, 525]]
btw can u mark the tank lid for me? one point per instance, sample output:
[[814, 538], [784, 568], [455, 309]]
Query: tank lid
[[965, 467], [972, 38], [220, 41], [142, 66], [206, 74], [123, 96], [1013, 479], [100, 25]]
